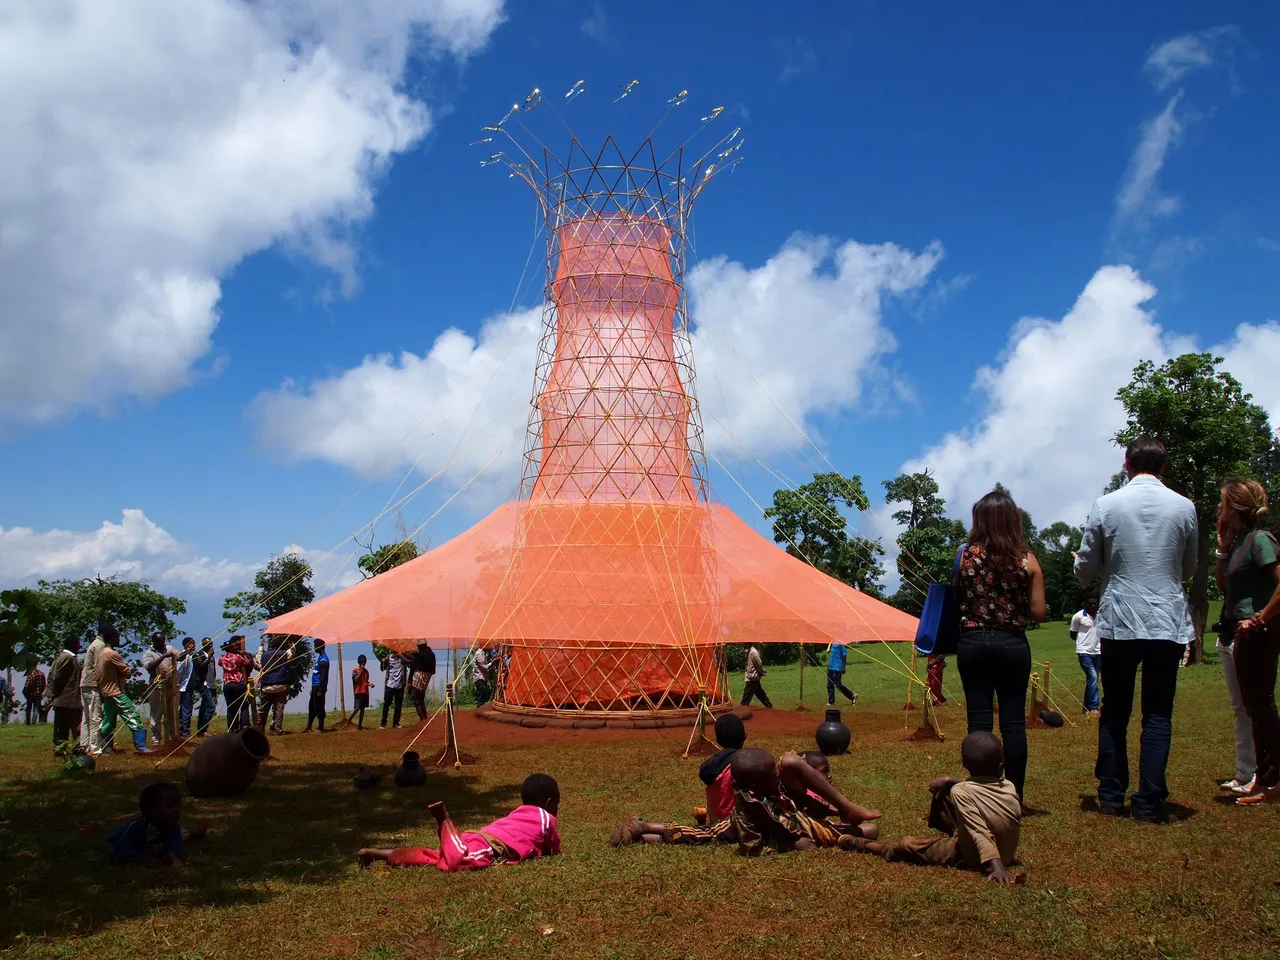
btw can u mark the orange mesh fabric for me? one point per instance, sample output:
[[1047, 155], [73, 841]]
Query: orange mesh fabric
[[657, 575], [610, 677], [615, 415]]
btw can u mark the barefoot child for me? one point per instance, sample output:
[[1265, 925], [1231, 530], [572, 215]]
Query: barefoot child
[[713, 820], [528, 831], [983, 813], [360, 689], [765, 817], [156, 837]]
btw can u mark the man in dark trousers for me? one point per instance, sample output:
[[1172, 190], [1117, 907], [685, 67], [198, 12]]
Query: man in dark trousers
[[319, 689], [64, 694], [423, 665], [393, 669]]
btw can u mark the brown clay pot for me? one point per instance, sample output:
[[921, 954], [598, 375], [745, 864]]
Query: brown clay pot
[[225, 765]]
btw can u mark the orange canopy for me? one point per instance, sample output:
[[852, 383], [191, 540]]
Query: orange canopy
[[552, 573]]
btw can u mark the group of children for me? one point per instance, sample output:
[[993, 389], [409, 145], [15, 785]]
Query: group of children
[[760, 804]]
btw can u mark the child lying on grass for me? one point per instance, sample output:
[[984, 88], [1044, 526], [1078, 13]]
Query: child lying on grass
[[527, 831], [981, 816], [766, 818], [713, 821], [155, 838]]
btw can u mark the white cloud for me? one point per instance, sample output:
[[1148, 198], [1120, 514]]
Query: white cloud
[[460, 408], [136, 546], [800, 335], [1139, 199], [1169, 62], [1051, 410], [808, 324], [150, 145], [1253, 356]]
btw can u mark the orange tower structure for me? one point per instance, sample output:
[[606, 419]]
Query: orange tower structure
[[611, 587]]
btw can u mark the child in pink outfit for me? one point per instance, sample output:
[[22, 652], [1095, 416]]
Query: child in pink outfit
[[528, 831]]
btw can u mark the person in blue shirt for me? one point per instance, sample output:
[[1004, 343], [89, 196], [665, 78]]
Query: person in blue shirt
[[156, 837], [837, 657], [319, 689]]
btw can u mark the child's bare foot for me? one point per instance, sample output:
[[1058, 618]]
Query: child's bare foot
[[849, 842], [855, 813], [438, 811], [366, 856], [628, 831]]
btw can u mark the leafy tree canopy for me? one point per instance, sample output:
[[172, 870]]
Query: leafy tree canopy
[[808, 520], [927, 547], [77, 607]]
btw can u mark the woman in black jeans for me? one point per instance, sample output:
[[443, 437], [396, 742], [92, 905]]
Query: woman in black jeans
[[1000, 589]]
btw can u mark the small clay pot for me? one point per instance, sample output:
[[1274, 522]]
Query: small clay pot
[[832, 735], [410, 773], [225, 765], [1051, 718]]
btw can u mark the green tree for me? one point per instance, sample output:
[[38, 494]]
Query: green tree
[[1062, 591], [1212, 430], [386, 557], [280, 587], [809, 522], [77, 607], [927, 547], [23, 629]]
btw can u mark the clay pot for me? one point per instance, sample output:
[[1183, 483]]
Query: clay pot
[[410, 773], [225, 765], [832, 735]]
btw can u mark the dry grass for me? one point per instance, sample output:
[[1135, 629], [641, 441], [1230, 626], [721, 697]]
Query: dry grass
[[276, 877]]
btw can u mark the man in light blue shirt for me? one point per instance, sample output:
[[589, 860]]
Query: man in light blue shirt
[[1142, 539]]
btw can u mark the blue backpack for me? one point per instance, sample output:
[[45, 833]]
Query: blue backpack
[[939, 629]]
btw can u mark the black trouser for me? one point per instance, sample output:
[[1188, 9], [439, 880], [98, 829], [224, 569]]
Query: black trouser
[[315, 706], [1159, 660], [835, 681], [236, 696], [484, 693], [66, 725], [1256, 654], [33, 711], [419, 698], [394, 695], [995, 666], [751, 689]]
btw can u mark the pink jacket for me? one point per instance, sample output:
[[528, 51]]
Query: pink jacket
[[529, 831]]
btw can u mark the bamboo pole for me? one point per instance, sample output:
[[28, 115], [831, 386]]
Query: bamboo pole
[[800, 705], [912, 682], [342, 685]]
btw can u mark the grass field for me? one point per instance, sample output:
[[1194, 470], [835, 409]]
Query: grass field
[[276, 877]]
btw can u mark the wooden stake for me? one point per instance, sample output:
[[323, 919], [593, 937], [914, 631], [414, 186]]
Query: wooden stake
[[912, 682], [342, 686], [800, 705]]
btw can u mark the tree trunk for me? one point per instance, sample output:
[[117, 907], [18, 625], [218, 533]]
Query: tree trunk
[[1200, 594]]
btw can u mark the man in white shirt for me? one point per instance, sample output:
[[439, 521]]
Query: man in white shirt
[[1142, 539], [1089, 652], [91, 698]]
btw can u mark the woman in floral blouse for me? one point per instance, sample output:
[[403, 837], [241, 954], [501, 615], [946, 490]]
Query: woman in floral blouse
[[1000, 589]]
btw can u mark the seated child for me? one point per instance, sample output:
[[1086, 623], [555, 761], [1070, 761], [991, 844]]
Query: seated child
[[156, 837], [713, 820], [527, 831], [808, 801], [766, 819], [981, 816]]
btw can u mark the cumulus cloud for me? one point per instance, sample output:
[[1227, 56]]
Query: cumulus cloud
[[136, 546], [773, 345], [1050, 405], [150, 145]]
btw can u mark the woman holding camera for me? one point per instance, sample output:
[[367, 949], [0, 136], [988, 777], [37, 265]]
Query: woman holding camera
[[1248, 573]]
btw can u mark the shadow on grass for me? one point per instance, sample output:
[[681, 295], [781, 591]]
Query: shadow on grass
[[298, 825]]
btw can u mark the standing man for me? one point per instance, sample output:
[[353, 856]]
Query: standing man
[[204, 671], [64, 695], [273, 684], [423, 665], [316, 710], [91, 697], [116, 704], [393, 682], [1142, 539], [153, 661], [752, 677], [187, 689], [1084, 632], [837, 661], [484, 667], [32, 691]]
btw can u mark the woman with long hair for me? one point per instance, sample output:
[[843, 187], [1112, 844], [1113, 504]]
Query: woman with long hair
[[1249, 576], [1000, 589]]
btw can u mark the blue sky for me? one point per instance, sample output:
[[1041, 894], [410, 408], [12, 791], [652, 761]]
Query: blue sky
[[194, 283]]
